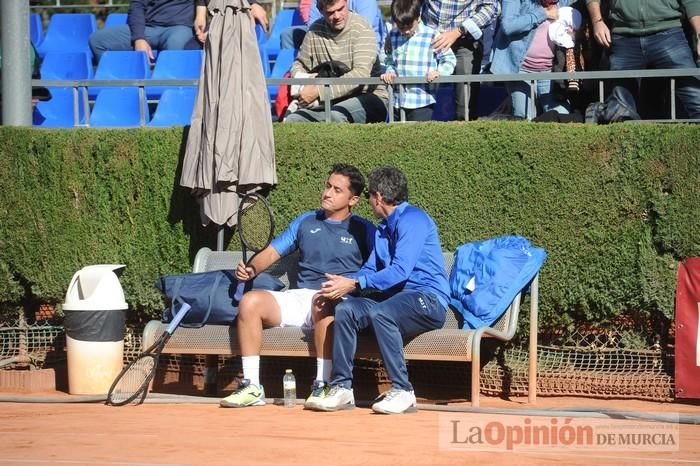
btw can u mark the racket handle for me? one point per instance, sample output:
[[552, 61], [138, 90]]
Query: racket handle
[[184, 309], [240, 288]]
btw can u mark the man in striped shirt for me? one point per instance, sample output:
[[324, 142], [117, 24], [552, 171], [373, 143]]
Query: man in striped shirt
[[409, 53], [346, 37], [461, 24]]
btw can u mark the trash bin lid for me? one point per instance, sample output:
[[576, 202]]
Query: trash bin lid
[[96, 288]]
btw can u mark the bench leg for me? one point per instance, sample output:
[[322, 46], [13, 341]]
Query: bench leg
[[211, 374], [476, 376], [532, 369]]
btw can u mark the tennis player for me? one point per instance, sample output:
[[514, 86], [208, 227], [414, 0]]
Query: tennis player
[[329, 239]]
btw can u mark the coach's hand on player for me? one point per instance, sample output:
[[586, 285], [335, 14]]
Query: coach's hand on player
[[337, 286], [244, 273]]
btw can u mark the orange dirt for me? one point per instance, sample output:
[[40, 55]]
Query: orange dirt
[[204, 434]]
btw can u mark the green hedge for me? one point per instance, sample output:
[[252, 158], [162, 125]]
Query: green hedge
[[615, 206]]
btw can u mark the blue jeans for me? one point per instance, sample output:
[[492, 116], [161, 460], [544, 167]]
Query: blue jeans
[[407, 313], [545, 101], [292, 37], [364, 108], [666, 49], [158, 37]]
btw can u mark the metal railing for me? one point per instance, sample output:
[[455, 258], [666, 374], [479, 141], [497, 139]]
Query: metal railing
[[80, 86]]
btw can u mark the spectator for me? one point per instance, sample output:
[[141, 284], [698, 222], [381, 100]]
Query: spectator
[[294, 36], [327, 239], [651, 37], [522, 45], [461, 24], [160, 25], [343, 37], [408, 268], [409, 53]]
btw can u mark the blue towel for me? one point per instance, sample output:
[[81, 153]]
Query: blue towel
[[487, 275]]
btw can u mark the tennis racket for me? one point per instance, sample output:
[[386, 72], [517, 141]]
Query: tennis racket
[[256, 225], [133, 381]]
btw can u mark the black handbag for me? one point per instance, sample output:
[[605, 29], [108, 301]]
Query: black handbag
[[210, 294]]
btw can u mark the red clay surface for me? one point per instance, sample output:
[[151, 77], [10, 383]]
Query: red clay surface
[[204, 434]]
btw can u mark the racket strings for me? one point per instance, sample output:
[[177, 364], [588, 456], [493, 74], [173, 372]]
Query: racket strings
[[133, 380], [255, 225]]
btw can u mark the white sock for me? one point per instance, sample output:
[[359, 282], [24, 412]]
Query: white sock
[[323, 369], [251, 369]]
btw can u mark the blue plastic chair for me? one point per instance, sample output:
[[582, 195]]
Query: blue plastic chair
[[491, 95], [284, 62], [265, 62], [68, 32], [115, 19], [118, 107], [121, 65], [445, 106], [260, 34], [36, 29], [66, 65], [284, 19], [175, 107], [175, 64], [58, 112]]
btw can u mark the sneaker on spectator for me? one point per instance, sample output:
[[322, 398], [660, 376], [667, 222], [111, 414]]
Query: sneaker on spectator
[[247, 394], [396, 401], [319, 390], [337, 398]]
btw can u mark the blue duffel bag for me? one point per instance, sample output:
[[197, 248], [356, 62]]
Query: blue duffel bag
[[210, 294]]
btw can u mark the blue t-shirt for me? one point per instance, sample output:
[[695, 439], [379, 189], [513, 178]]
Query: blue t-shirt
[[326, 246]]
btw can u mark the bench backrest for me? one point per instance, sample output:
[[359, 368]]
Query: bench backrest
[[286, 270]]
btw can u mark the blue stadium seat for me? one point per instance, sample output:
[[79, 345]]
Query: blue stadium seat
[[491, 95], [115, 19], [175, 64], [284, 19], [66, 65], [260, 34], [121, 65], [68, 32], [265, 61], [36, 29], [58, 112], [118, 107], [445, 107], [175, 107], [282, 65]]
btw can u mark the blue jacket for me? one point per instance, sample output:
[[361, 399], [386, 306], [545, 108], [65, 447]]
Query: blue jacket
[[144, 13], [487, 275], [407, 255], [519, 20]]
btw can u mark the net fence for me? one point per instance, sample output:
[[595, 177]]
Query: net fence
[[580, 363]]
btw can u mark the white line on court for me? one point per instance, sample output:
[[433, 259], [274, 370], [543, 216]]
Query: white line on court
[[633, 458], [55, 461]]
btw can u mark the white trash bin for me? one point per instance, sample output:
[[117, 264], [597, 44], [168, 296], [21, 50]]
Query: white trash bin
[[94, 323]]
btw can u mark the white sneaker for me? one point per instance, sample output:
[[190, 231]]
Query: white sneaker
[[396, 401], [338, 398]]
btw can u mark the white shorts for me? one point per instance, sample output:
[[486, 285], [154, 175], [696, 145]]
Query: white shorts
[[295, 306]]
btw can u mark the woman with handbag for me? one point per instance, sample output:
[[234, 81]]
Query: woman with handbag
[[522, 45]]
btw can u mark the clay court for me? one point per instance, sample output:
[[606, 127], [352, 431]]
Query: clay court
[[201, 433]]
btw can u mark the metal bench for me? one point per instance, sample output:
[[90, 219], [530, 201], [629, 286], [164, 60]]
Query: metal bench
[[449, 343]]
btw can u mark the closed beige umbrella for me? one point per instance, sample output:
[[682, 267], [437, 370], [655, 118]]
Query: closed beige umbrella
[[230, 145]]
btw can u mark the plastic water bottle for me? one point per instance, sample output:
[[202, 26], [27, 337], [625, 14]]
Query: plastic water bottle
[[290, 389]]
